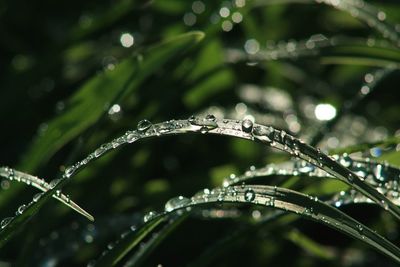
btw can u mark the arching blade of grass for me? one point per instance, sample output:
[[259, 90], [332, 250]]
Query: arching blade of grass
[[245, 129], [337, 50], [42, 185], [304, 205], [383, 177], [273, 197], [12, 225], [88, 104]]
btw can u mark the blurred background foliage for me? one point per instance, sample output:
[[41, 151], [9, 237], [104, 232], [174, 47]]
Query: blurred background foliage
[[75, 74]]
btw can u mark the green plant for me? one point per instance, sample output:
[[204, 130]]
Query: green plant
[[315, 119]]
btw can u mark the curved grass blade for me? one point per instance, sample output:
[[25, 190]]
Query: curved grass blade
[[306, 206], [245, 129], [42, 185], [88, 104], [382, 176], [11, 225], [278, 198], [336, 50]]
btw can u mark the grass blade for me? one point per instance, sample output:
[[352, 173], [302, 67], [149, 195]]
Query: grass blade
[[42, 185], [11, 225], [245, 129]]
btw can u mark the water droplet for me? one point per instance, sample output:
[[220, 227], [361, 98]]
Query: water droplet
[[5, 222], [304, 167], [384, 204], [54, 182], [192, 119], [175, 203], [346, 161], [249, 195], [338, 203], [221, 196], [380, 173], [21, 209], [351, 177], [131, 137], [37, 196], [204, 130], [270, 201], [149, 216], [210, 117], [360, 229], [143, 125], [58, 193], [263, 133], [69, 171], [100, 151], [247, 126]]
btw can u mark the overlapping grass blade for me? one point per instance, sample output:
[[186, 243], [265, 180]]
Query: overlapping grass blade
[[12, 225], [42, 185]]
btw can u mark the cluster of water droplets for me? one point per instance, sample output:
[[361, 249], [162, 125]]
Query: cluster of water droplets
[[227, 15]]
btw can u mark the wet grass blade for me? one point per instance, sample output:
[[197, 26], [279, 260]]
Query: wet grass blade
[[12, 225], [273, 197], [42, 185], [304, 205], [245, 129]]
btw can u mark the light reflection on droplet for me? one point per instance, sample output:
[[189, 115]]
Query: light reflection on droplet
[[325, 112], [227, 26], [224, 12], [189, 19], [198, 7], [381, 15], [240, 3], [237, 17], [365, 90], [251, 46], [114, 109], [369, 78], [127, 40]]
